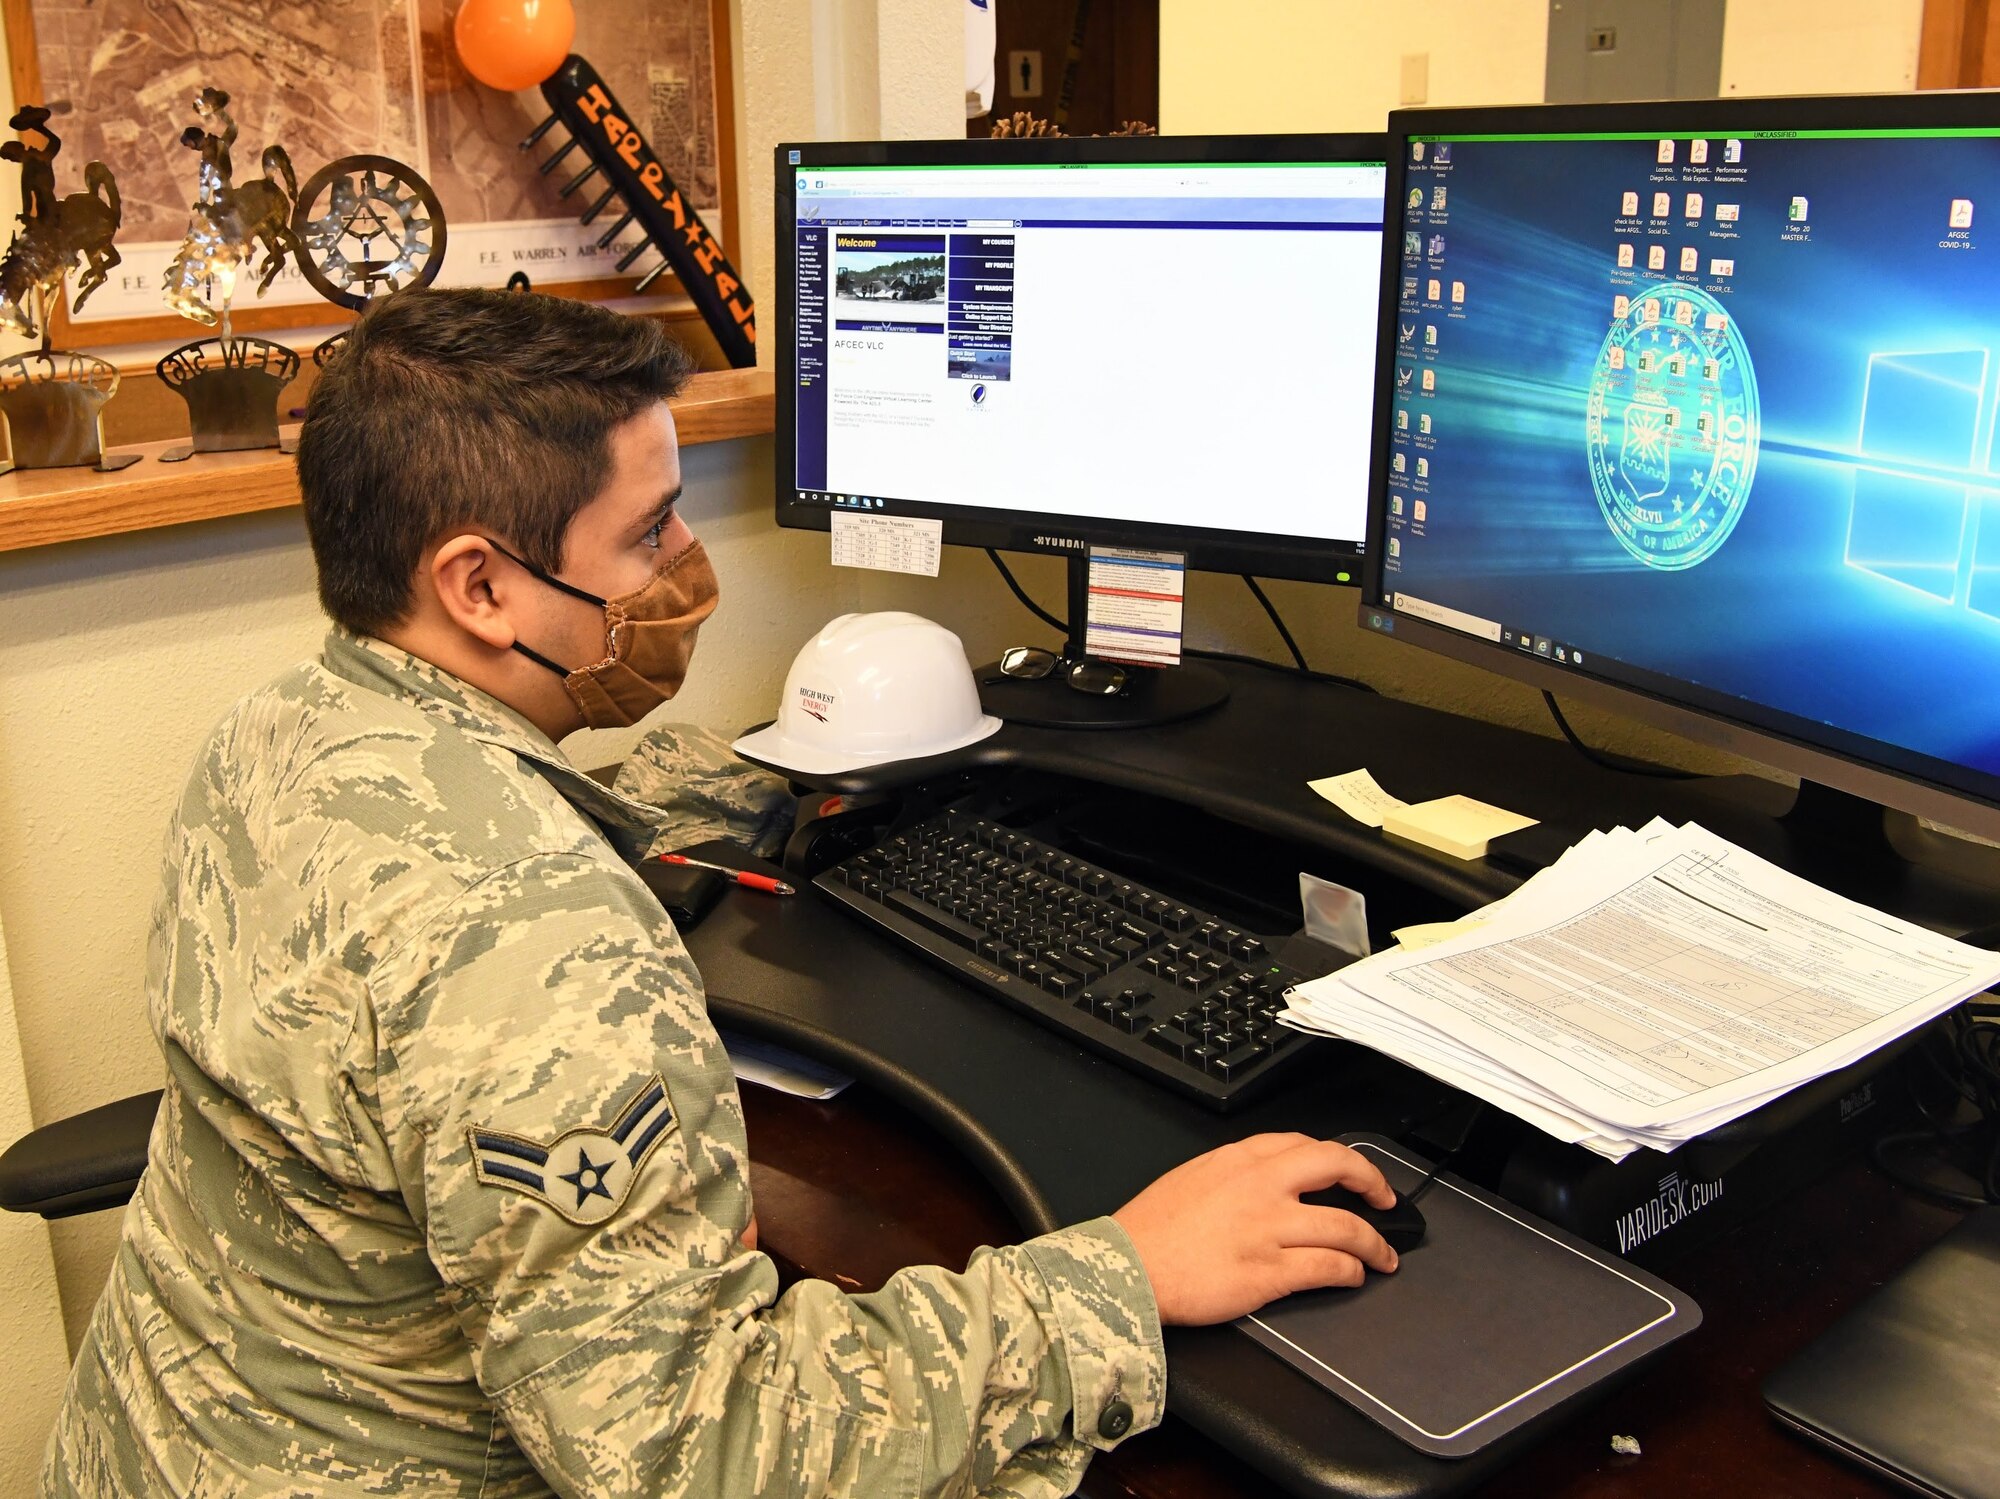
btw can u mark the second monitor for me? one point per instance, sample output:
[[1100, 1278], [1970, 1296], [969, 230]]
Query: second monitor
[[1060, 345]]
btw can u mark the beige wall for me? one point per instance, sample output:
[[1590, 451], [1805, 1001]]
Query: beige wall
[[116, 655]]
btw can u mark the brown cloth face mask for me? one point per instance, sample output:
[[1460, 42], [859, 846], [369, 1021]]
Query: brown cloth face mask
[[650, 634]]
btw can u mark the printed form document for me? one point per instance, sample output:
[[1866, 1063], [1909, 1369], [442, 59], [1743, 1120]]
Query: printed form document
[[1646, 988]]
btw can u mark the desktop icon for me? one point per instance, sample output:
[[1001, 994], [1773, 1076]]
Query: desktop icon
[[1441, 153], [1458, 292], [1416, 200], [1684, 311], [1433, 289], [1430, 380], [1629, 205], [1693, 206], [1663, 204], [1732, 151], [1690, 261], [1430, 335], [1405, 332], [1395, 547], [1676, 366], [1615, 357], [1722, 268], [1624, 255], [1728, 213], [1649, 311], [1620, 306], [1402, 419], [1395, 504], [1796, 212], [1419, 509], [1672, 415], [1645, 361], [1437, 247], [1409, 287], [1961, 213], [1666, 153], [1424, 423], [1702, 421], [1423, 471], [1397, 462], [1656, 258], [1437, 199], [1716, 322], [1698, 152], [1403, 378], [1416, 150], [1711, 369], [1413, 245]]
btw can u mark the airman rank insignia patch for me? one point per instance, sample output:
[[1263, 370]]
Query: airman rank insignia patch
[[584, 1174]]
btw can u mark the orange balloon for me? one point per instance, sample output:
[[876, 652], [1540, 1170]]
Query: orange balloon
[[513, 44]]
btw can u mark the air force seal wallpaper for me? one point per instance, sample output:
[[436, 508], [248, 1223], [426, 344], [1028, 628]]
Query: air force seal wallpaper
[[1672, 427]]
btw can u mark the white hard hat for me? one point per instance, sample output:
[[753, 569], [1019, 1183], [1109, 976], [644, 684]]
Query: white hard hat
[[868, 689]]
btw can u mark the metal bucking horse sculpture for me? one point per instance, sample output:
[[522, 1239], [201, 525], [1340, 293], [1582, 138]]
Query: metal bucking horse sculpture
[[229, 222], [55, 232]]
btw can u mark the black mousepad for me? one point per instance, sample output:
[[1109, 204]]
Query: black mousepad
[[1494, 1319]]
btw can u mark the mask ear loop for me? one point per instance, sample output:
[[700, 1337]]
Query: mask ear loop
[[569, 588], [554, 582]]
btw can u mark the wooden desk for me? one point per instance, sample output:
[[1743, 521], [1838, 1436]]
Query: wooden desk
[[854, 1189]]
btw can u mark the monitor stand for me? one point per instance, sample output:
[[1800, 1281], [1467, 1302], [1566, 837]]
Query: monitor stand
[[1152, 695]]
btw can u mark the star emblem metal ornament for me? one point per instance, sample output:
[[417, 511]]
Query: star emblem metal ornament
[[370, 225]]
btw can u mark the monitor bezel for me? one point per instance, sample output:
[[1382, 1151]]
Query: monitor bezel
[[1208, 549], [1904, 780]]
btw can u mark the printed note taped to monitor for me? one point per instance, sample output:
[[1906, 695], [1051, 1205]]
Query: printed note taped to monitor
[[1455, 825], [888, 543]]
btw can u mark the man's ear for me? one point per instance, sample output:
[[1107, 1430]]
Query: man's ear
[[472, 589]]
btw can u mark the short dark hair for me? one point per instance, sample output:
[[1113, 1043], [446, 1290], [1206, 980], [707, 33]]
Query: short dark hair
[[465, 408]]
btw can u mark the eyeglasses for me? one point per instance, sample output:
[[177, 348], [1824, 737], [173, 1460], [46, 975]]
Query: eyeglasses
[[1029, 663]]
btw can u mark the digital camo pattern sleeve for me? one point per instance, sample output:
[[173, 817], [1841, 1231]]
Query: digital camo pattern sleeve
[[571, 1141], [706, 790]]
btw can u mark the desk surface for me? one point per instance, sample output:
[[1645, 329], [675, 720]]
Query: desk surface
[[854, 1189], [1060, 1135]]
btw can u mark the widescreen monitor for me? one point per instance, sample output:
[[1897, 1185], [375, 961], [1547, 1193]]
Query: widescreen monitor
[[1689, 408], [1051, 344]]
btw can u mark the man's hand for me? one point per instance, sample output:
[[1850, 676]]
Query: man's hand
[[1226, 1232]]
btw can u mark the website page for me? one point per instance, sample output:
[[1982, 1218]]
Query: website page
[[1056, 339], [1713, 408]]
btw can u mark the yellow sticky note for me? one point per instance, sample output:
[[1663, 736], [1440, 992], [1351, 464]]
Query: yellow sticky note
[[1455, 825], [1358, 795], [1431, 933]]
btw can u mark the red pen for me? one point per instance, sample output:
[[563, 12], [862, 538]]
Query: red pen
[[742, 877]]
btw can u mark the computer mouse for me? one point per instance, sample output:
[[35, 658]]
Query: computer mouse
[[1401, 1226]]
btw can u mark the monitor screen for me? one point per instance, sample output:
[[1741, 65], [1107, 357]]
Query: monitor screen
[[1155, 341], [1698, 401]]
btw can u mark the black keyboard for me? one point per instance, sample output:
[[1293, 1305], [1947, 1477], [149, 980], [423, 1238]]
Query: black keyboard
[[1166, 990]]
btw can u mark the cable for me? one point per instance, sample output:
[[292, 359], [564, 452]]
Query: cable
[[1022, 594], [1628, 767], [1964, 1054], [1283, 633]]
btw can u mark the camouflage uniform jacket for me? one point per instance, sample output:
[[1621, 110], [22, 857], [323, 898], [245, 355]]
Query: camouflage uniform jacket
[[445, 1194]]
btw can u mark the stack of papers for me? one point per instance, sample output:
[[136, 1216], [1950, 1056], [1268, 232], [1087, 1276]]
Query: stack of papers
[[1646, 988]]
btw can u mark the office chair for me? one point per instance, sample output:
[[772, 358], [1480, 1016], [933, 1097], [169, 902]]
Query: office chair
[[82, 1164]]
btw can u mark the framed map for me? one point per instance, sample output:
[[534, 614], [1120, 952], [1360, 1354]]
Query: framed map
[[327, 78]]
